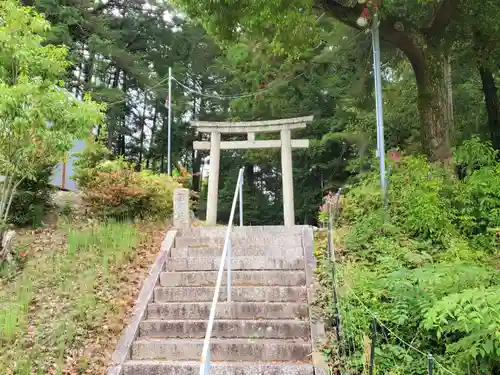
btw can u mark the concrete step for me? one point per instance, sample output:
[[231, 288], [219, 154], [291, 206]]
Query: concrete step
[[228, 310], [241, 241], [264, 250], [217, 368], [255, 329], [239, 278], [220, 231], [296, 294], [238, 263], [223, 349]]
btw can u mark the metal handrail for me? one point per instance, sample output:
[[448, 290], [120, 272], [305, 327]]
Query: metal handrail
[[226, 255]]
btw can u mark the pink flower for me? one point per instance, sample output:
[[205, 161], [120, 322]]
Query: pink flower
[[22, 254], [395, 156]]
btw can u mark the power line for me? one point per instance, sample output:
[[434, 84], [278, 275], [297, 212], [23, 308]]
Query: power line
[[148, 89], [238, 96], [250, 94]]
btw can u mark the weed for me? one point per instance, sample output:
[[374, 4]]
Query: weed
[[61, 296]]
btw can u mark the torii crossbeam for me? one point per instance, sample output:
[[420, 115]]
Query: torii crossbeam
[[286, 143]]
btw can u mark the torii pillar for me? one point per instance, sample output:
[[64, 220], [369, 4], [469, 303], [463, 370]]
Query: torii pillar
[[286, 143]]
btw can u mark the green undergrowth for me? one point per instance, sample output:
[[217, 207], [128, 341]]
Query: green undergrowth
[[60, 295], [427, 269]]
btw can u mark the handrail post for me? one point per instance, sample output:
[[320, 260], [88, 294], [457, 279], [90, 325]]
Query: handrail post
[[241, 201], [229, 270]]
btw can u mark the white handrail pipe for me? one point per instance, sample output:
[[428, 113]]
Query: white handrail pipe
[[205, 354], [241, 201]]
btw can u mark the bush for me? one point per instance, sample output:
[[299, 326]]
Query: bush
[[115, 189], [425, 267], [87, 161], [31, 200], [160, 190]]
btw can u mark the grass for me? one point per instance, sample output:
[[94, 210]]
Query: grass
[[67, 301]]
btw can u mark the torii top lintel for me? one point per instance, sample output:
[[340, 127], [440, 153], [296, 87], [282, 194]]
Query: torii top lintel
[[268, 126]]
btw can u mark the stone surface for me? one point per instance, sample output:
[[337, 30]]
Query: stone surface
[[239, 294], [217, 368], [265, 329], [268, 329], [222, 349], [239, 249], [181, 219], [237, 263], [267, 231], [226, 310], [249, 241], [239, 278]]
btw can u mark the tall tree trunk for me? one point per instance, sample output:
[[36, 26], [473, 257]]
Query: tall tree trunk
[[434, 104], [250, 177], [142, 125], [88, 72], [448, 94], [150, 161], [492, 104], [113, 126]]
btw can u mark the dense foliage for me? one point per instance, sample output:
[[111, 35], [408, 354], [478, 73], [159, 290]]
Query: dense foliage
[[39, 118], [32, 199], [114, 189], [427, 268]]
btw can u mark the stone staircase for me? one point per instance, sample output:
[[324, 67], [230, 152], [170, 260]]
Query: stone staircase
[[264, 330]]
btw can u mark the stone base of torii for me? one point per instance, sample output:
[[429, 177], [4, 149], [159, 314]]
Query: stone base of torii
[[286, 143]]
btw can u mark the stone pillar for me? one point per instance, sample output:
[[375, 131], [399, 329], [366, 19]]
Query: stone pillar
[[287, 175], [213, 179], [181, 209]]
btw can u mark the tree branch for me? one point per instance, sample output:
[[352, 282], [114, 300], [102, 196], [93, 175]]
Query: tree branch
[[404, 40], [442, 17], [344, 14]]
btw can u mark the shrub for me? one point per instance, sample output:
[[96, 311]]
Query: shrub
[[87, 161], [31, 200], [115, 189], [160, 189], [420, 267]]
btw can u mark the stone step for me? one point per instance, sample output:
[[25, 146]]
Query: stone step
[[259, 230], [152, 367], [239, 294], [238, 263], [216, 368], [223, 349], [228, 310], [239, 278], [258, 242], [292, 251], [255, 329]]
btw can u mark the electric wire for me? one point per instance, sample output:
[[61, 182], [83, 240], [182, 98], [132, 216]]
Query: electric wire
[[258, 92], [237, 96]]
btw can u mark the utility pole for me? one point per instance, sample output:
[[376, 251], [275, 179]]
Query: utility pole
[[362, 21], [169, 131]]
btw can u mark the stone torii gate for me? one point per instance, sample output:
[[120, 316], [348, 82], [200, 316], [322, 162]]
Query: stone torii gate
[[286, 143]]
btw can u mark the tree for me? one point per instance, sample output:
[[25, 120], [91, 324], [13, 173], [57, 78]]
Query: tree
[[39, 119], [423, 31]]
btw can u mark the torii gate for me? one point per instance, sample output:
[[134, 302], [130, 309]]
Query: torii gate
[[286, 143]]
